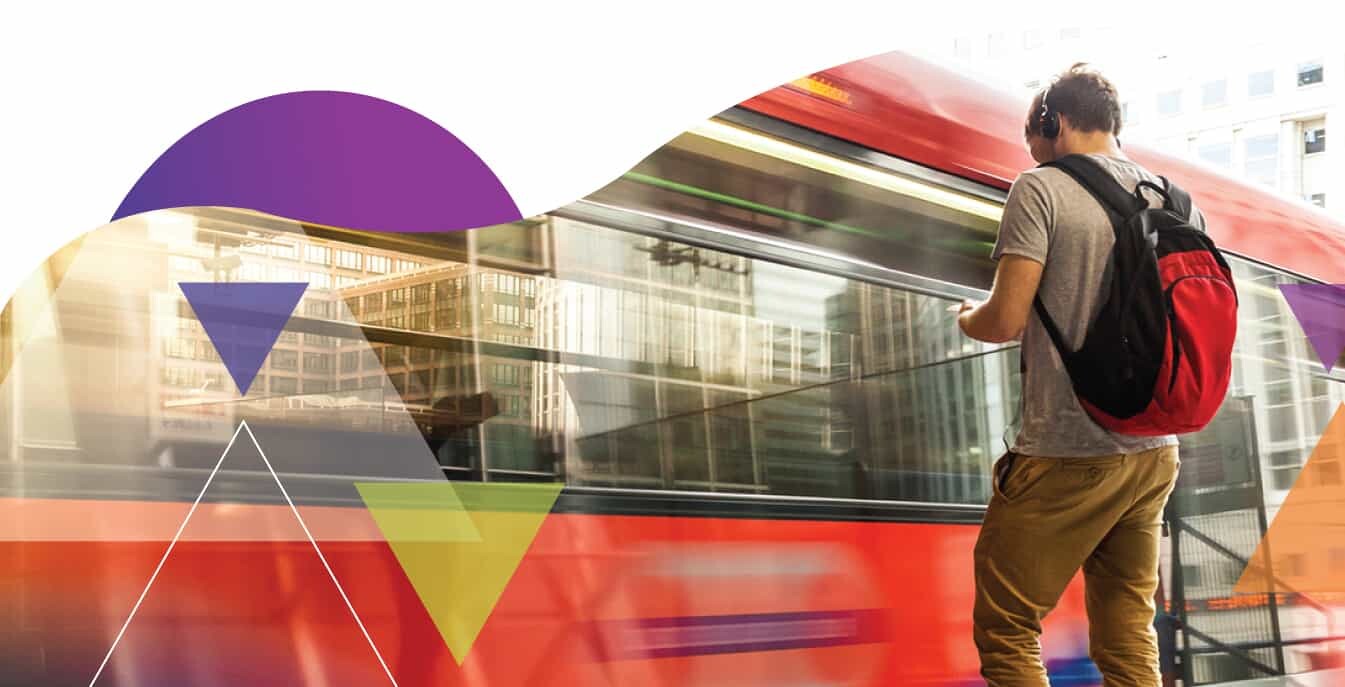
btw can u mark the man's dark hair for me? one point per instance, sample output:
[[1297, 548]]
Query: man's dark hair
[[1084, 96]]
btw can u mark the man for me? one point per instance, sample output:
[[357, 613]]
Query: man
[[1069, 494]]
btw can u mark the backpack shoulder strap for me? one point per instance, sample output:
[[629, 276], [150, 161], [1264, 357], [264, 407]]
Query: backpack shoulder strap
[[1178, 198], [1052, 329], [1118, 201], [1119, 204]]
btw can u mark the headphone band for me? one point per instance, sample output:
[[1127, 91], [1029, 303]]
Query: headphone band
[[1046, 124]]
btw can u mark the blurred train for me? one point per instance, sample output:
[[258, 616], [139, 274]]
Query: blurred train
[[738, 358]]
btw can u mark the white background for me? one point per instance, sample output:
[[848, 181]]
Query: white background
[[557, 97]]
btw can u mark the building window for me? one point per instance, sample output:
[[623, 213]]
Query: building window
[[348, 259], [318, 255], [1169, 103], [378, 264], [1283, 480], [316, 386], [397, 298], [319, 280], [962, 47], [1260, 84], [373, 359], [284, 360], [1328, 474], [1310, 73], [1295, 565], [373, 302], [1032, 39], [315, 308], [1318, 199], [1262, 163], [317, 362], [420, 293], [505, 375], [506, 314], [285, 250], [1218, 154], [994, 45], [1314, 140], [1214, 93], [1125, 113], [350, 361], [284, 385]]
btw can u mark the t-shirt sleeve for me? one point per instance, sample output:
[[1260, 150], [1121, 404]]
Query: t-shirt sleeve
[[1198, 219], [1025, 227]]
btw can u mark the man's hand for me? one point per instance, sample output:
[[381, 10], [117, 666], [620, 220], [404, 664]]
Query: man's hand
[[1003, 317], [965, 306]]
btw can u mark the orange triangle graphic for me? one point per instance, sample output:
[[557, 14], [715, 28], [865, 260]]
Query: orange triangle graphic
[[1304, 546]]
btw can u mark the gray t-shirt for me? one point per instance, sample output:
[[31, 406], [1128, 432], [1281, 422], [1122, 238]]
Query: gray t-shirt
[[1050, 218]]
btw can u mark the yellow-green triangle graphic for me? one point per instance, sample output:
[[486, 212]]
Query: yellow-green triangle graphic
[[459, 544]]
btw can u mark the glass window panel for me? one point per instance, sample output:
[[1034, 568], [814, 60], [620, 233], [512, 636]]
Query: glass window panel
[[1310, 73], [1214, 93], [1261, 83], [1169, 103]]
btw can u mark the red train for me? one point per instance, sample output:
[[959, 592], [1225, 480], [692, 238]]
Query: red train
[[738, 359]]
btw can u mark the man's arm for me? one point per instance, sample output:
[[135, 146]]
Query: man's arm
[[1020, 249], [1004, 316]]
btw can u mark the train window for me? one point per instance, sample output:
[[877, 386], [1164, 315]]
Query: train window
[[627, 360], [731, 175], [699, 325]]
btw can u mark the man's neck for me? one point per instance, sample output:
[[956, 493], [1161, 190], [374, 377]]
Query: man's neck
[[1093, 144]]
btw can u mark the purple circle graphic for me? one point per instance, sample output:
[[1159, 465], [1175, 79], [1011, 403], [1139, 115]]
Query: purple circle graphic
[[328, 157]]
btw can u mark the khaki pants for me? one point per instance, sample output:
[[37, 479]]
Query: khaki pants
[[1048, 517]]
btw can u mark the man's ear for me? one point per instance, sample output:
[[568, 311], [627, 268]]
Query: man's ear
[[1064, 122]]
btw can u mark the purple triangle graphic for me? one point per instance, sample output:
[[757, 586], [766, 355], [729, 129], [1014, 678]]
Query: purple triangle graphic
[[1320, 309], [243, 320]]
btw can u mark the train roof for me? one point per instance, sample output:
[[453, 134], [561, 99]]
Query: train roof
[[919, 111]]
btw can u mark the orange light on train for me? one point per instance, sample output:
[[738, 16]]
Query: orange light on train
[[822, 88]]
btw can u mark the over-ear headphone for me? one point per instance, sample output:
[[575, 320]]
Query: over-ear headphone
[[1048, 121]]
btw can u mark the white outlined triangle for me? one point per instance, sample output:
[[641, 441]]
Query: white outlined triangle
[[290, 502]]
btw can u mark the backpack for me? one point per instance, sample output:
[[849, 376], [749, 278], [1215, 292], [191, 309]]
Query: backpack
[[1158, 357]]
